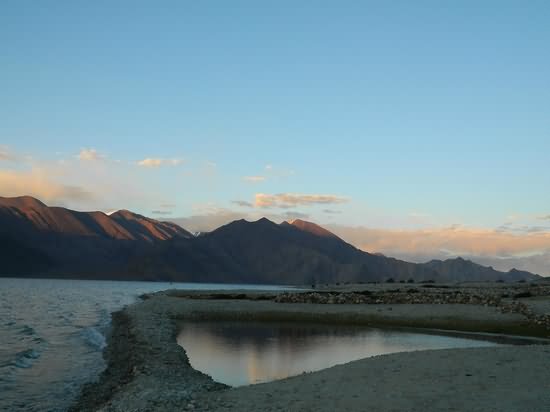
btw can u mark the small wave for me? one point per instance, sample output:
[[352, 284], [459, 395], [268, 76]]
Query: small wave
[[94, 338], [27, 330], [26, 358]]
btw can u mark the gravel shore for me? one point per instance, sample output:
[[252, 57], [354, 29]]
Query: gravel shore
[[147, 370]]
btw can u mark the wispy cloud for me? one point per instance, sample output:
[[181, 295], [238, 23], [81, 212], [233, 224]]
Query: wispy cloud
[[158, 162], [39, 184], [332, 212], [289, 200], [254, 179], [528, 250], [514, 228], [294, 215], [89, 155], [544, 217], [242, 203], [161, 212], [454, 240], [6, 155]]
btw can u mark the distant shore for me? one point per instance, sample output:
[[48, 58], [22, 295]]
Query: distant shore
[[148, 370]]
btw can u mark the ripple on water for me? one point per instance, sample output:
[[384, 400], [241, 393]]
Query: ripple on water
[[27, 330], [26, 358], [51, 336]]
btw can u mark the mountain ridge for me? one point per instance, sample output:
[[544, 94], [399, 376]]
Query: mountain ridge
[[126, 245]]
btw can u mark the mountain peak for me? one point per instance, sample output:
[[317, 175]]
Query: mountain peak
[[21, 202], [126, 214], [311, 227]]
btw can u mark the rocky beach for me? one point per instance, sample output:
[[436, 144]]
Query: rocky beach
[[147, 370]]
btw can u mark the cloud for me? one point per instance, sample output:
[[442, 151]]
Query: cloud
[[90, 155], [158, 162], [294, 215], [332, 212], [545, 217], [6, 155], [242, 203], [254, 179], [38, 184], [513, 228], [167, 206], [288, 200], [482, 245], [161, 212]]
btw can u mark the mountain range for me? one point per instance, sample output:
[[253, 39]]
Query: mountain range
[[41, 241]]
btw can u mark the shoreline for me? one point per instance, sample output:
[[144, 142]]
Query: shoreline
[[148, 370]]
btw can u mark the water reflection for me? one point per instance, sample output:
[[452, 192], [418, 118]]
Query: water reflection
[[239, 353]]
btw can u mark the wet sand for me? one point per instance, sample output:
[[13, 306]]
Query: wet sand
[[147, 370]]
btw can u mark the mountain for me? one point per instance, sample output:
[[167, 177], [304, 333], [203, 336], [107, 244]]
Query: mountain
[[301, 253], [460, 270], [37, 240], [28, 214], [144, 228], [311, 228], [64, 242]]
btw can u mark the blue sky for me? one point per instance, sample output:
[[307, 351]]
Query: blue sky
[[411, 115]]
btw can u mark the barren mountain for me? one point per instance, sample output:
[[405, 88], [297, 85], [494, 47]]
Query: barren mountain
[[27, 212], [37, 240]]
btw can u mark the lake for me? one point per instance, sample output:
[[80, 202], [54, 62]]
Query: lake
[[242, 353], [52, 333]]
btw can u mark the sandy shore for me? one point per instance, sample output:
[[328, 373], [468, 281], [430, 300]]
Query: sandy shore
[[148, 371]]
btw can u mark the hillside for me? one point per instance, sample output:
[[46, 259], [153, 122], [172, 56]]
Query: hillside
[[37, 240]]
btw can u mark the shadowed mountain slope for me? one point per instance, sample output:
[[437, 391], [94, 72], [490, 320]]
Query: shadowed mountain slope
[[460, 270], [37, 240]]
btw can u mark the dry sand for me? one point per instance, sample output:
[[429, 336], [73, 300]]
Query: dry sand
[[148, 371]]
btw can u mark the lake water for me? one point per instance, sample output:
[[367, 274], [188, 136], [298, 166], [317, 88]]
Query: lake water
[[242, 353], [52, 333]]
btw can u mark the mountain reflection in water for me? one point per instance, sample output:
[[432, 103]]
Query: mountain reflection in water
[[241, 353]]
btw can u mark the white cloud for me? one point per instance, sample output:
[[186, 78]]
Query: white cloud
[[90, 155], [288, 200], [158, 162]]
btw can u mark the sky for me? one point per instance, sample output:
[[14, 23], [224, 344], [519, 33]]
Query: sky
[[416, 129]]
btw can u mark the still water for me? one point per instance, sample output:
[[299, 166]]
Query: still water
[[242, 353], [52, 333]]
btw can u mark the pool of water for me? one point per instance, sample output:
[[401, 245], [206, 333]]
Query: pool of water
[[243, 353]]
